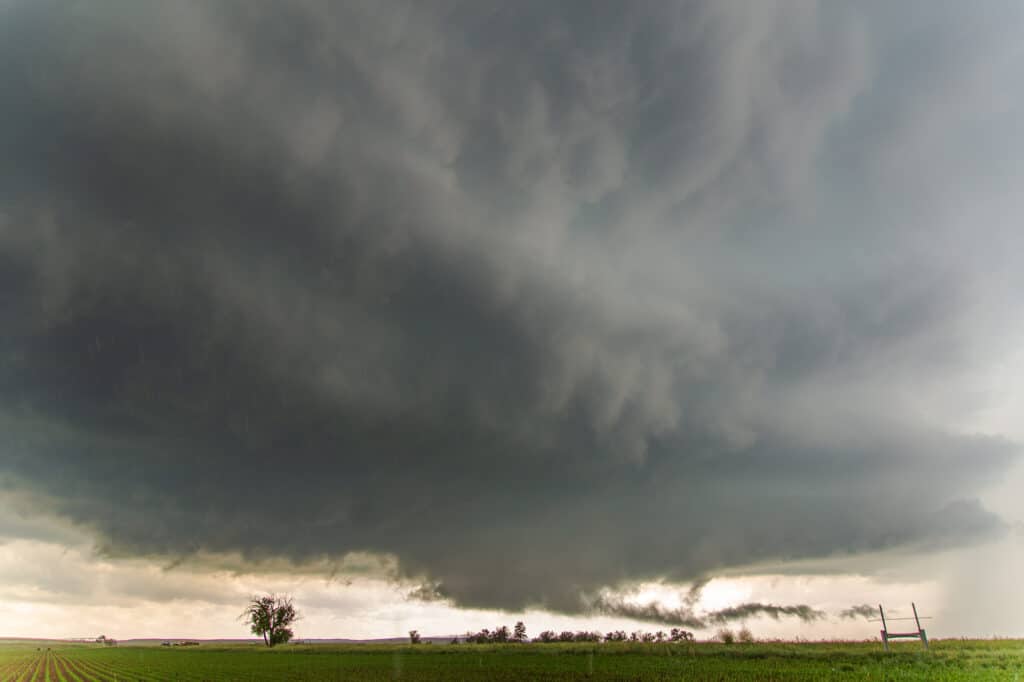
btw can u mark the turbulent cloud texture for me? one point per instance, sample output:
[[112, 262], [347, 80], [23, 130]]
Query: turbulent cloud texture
[[858, 611], [536, 298], [688, 617]]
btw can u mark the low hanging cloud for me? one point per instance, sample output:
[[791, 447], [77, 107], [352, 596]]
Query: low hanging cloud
[[744, 611], [865, 611], [530, 300], [686, 616]]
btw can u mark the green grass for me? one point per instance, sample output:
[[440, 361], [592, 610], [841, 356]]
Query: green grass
[[947, 660]]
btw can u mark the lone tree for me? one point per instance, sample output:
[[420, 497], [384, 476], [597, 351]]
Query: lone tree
[[270, 617]]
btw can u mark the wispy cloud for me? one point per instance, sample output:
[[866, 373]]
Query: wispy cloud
[[858, 611], [687, 616]]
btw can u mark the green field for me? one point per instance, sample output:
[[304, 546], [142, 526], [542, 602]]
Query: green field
[[948, 660]]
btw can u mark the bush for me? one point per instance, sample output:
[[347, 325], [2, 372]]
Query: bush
[[678, 635], [726, 636], [745, 636]]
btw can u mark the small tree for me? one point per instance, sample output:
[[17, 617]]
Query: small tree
[[678, 635], [519, 632], [726, 636], [271, 617], [414, 637], [745, 636], [485, 636]]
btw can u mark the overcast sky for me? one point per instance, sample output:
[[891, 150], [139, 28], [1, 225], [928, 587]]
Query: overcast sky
[[445, 314]]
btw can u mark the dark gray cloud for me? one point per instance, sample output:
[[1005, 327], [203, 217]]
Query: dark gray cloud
[[533, 298], [858, 611], [688, 617]]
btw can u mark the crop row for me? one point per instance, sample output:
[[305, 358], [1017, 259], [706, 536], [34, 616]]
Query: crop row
[[51, 666], [950, 661]]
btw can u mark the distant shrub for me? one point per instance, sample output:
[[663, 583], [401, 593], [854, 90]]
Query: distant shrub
[[678, 635], [726, 636], [745, 636]]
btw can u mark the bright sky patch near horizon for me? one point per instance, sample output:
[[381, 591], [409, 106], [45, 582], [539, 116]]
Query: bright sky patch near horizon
[[445, 315]]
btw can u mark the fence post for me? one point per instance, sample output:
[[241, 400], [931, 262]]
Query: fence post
[[920, 630], [885, 633], [917, 634]]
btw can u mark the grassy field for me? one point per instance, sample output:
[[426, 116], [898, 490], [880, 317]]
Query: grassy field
[[948, 660]]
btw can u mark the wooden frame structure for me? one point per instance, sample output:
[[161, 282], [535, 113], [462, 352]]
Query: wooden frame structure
[[920, 634]]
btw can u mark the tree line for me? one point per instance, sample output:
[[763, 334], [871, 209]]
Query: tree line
[[517, 635], [271, 617]]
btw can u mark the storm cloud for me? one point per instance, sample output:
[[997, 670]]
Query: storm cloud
[[537, 298]]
